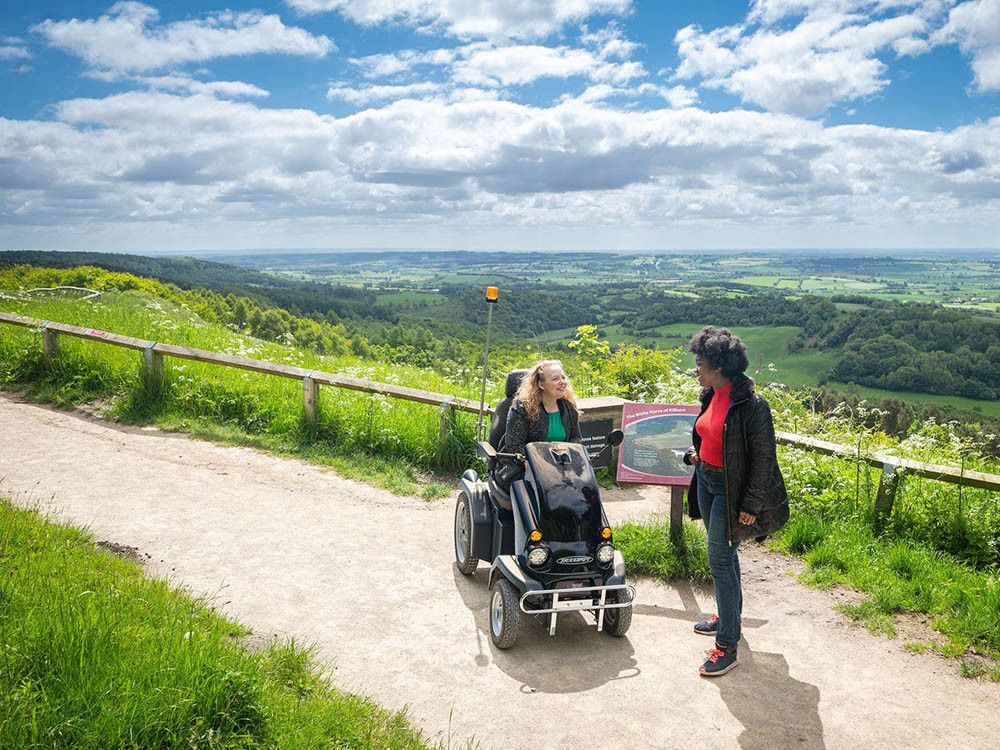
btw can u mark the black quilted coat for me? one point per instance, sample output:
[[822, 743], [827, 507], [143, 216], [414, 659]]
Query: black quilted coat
[[753, 480], [521, 430]]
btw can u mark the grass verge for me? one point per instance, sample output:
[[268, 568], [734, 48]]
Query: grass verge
[[900, 576], [95, 655], [249, 406], [648, 550], [393, 474]]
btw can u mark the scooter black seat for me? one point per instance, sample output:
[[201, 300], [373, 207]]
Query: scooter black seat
[[500, 495], [498, 425]]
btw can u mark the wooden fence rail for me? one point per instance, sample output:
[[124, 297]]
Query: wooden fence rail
[[592, 409]]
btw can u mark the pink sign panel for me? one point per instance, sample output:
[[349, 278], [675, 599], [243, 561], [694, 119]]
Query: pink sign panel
[[656, 438]]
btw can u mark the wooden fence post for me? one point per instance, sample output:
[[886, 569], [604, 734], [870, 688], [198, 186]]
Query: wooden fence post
[[676, 511], [50, 343], [310, 393], [887, 485], [447, 417], [154, 363]]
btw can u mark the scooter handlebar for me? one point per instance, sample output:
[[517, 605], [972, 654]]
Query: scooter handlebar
[[514, 456]]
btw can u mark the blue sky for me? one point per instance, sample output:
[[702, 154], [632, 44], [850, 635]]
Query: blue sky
[[500, 124]]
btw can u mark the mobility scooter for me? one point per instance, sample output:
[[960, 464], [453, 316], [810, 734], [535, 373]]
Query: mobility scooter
[[548, 540]]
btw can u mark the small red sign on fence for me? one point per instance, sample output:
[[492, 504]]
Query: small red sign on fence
[[92, 332]]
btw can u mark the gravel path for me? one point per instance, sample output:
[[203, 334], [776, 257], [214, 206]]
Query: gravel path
[[294, 550]]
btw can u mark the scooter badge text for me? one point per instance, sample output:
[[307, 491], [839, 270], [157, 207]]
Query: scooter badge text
[[578, 560]]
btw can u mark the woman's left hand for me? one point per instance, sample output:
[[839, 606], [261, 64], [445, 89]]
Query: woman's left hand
[[747, 519]]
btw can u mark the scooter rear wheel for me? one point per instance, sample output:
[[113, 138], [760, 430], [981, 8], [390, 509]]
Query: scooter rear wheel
[[467, 562]]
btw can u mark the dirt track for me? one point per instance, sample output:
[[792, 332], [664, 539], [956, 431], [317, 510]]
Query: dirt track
[[291, 549]]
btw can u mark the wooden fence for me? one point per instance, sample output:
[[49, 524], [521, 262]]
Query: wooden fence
[[601, 407]]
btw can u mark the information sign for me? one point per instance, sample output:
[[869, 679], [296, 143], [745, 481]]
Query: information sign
[[656, 438], [594, 435]]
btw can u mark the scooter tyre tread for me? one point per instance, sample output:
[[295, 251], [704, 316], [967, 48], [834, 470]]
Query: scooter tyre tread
[[467, 562], [619, 622], [511, 613]]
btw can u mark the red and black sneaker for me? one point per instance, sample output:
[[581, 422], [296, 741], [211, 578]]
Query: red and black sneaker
[[720, 660], [707, 627]]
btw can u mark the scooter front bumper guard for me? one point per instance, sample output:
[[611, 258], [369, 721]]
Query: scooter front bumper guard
[[572, 605]]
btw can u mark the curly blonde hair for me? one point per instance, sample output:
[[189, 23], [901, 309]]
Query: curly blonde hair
[[529, 393]]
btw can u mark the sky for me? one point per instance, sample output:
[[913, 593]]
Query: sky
[[626, 125]]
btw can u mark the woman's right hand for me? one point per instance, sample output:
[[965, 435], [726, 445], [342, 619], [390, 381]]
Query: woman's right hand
[[693, 457]]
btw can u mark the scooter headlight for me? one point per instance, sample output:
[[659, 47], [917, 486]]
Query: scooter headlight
[[538, 556], [605, 554]]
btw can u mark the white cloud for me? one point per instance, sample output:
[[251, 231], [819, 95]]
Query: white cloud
[[491, 19], [975, 26], [177, 82], [394, 63], [367, 94], [183, 83], [126, 38], [518, 65], [484, 64], [14, 52], [803, 56], [231, 167], [442, 144], [14, 48], [677, 97], [610, 42]]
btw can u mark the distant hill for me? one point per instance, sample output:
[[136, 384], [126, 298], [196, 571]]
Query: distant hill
[[184, 272], [267, 290]]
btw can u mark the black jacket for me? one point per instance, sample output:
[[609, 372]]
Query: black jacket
[[753, 480], [522, 430]]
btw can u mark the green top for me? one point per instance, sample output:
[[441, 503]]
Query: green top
[[556, 429]]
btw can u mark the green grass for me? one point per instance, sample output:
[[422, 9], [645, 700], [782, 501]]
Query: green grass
[[900, 576], [851, 306], [95, 655], [648, 550], [766, 345], [409, 299], [920, 647], [987, 408], [399, 477], [555, 336], [813, 284], [871, 615], [235, 405]]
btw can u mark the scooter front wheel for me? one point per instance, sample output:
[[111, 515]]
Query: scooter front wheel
[[617, 620], [505, 613]]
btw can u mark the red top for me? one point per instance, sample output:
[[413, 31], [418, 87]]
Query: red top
[[709, 425]]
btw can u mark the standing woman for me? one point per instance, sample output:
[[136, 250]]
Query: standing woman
[[740, 490], [543, 409]]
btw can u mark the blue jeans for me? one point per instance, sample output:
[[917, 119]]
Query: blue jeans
[[722, 559]]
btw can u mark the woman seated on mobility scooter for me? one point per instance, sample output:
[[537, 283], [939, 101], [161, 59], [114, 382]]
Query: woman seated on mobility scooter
[[544, 528], [544, 409]]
